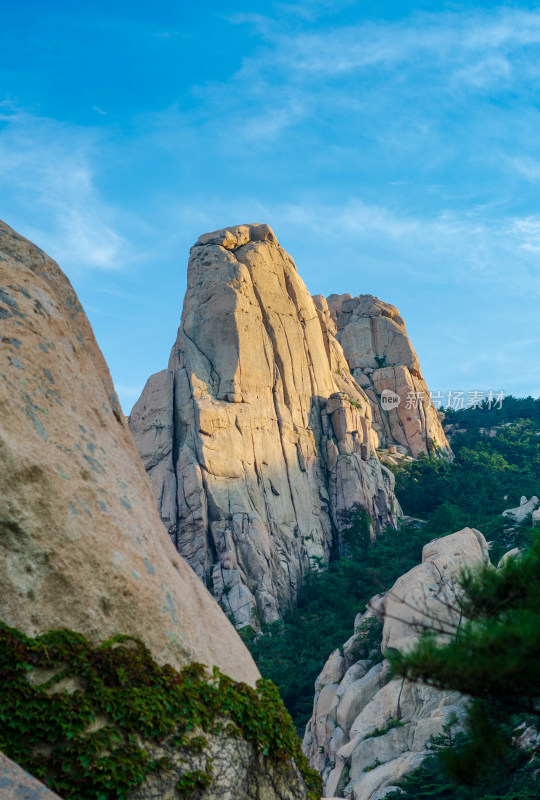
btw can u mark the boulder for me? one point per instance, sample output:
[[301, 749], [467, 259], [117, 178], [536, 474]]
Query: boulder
[[257, 439], [522, 511], [429, 592]]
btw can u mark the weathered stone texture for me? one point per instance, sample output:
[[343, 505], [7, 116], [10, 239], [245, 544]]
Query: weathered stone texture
[[81, 542], [238, 773], [16, 784]]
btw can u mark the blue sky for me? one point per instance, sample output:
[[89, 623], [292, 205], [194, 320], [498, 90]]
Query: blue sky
[[393, 147]]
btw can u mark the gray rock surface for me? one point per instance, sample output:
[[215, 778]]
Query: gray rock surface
[[238, 773], [525, 508], [256, 438], [368, 730], [383, 361]]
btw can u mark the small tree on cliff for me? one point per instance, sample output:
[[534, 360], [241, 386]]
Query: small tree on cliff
[[493, 657]]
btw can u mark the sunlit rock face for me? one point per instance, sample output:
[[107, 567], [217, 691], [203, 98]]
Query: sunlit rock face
[[383, 361], [81, 543], [257, 438], [369, 729]]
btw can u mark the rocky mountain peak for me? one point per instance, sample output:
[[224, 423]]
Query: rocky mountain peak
[[237, 236], [383, 361], [84, 556], [257, 438]]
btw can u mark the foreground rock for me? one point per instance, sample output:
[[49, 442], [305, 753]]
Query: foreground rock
[[81, 544], [16, 784], [383, 361], [82, 548], [257, 438], [368, 730]]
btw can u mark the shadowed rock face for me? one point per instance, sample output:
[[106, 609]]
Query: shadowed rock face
[[257, 437], [81, 543], [383, 361]]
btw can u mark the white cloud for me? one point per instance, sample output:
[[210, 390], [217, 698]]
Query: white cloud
[[268, 125], [47, 176], [395, 82], [528, 167], [128, 396], [484, 72], [475, 47]]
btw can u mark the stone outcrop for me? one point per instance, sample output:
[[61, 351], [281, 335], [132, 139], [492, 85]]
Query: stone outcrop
[[522, 511], [383, 361], [368, 730], [238, 773], [81, 543], [112, 723], [256, 438]]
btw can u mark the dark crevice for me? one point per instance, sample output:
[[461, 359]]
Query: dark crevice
[[215, 381]]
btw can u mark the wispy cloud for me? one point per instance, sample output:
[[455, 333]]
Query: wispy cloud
[[394, 80], [127, 395], [47, 174], [528, 167], [470, 246], [452, 37]]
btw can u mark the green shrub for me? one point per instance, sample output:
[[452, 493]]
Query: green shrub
[[394, 723]]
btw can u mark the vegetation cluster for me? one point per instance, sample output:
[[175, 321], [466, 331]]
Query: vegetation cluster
[[86, 719]]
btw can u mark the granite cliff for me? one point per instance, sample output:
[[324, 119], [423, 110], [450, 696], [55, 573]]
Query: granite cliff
[[257, 438]]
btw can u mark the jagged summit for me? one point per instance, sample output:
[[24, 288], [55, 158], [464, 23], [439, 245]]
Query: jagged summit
[[383, 361], [257, 438], [237, 236]]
